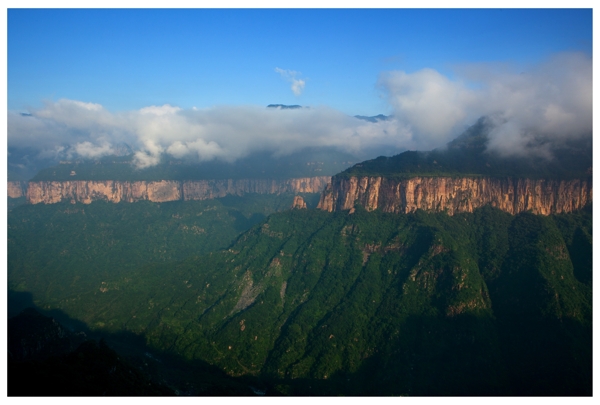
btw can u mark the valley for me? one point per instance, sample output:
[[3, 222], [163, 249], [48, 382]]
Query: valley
[[367, 303], [299, 202]]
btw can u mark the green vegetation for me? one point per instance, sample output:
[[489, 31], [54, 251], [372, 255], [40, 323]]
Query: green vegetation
[[327, 303], [61, 250], [13, 203]]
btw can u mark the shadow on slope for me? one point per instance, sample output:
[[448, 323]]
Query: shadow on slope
[[47, 359]]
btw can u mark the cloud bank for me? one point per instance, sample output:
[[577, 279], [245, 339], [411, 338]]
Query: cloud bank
[[534, 111], [68, 129]]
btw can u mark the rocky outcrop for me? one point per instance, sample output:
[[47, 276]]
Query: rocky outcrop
[[455, 195], [298, 203], [84, 191], [49, 192], [16, 189]]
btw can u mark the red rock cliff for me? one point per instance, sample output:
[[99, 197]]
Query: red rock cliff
[[455, 195], [16, 189], [86, 191]]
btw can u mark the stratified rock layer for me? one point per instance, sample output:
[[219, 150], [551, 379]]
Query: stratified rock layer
[[50, 192], [455, 195]]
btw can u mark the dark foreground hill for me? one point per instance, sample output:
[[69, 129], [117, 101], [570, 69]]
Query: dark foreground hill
[[368, 303], [46, 359]]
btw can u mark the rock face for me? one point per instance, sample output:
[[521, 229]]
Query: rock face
[[455, 195], [299, 203], [50, 192], [15, 189]]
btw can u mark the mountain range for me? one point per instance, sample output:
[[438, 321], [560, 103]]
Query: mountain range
[[456, 271]]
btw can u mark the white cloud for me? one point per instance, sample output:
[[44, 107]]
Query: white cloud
[[143, 160], [89, 150], [547, 105], [432, 105], [290, 76], [298, 86], [226, 133]]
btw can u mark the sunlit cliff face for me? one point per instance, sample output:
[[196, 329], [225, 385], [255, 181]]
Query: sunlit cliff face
[[50, 192], [455, 195]]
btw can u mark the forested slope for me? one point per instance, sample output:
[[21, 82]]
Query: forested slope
[[56, 251], [480, 303]]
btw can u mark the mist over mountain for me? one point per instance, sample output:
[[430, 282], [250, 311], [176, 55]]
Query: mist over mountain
[[70, 130], [473, 154], [308, 162]]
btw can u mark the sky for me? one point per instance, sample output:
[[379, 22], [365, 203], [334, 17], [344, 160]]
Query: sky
[[195, 82]]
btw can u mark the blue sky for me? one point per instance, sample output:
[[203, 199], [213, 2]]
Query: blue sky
[[196, 81], [129, 59]]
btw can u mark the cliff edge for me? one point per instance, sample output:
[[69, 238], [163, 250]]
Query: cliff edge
[[87, 191], [455, 195]]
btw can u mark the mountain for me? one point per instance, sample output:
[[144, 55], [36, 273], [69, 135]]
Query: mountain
[[285, 107], [375, 118], [442, 293], [464, 176], [468, 156]]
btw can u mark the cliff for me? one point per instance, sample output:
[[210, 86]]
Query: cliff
[[16, 189], [455, 195], [298, 203], [86, 191]]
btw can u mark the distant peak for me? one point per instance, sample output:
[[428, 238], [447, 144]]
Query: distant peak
[[375, 118], [284, 107]]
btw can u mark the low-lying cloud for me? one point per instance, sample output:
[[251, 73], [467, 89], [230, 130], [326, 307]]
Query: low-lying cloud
[[69, 128], [534, 111]]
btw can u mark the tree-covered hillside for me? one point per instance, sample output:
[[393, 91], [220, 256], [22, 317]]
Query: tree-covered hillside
[[337, 304], [59, 250]]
